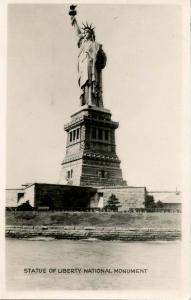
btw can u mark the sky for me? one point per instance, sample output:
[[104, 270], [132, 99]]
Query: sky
[[141, 87]]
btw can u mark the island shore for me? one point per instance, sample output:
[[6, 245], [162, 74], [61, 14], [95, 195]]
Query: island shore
[[102, 226], [101, 233]]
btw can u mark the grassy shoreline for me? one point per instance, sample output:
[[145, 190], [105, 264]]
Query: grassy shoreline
[[106, 219], [89, 225]]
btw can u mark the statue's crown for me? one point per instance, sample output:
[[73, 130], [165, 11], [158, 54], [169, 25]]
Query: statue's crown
[[88, 27]]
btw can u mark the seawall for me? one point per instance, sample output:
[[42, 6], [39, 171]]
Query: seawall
[[102, 233]]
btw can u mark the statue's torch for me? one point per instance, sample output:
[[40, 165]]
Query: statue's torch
[[72, 12]]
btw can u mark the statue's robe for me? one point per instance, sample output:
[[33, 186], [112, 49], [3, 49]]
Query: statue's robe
[[91, 60]]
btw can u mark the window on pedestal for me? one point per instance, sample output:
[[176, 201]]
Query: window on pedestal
[[74, 135], [77, 133], [102, 174], [70, 173], [100, 134], [94, 133], [71, 136], [106, 135]]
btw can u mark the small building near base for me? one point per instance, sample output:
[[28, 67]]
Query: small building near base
[[12, 198], [170, 200], [130, 198], [55, 197], [43, 196]]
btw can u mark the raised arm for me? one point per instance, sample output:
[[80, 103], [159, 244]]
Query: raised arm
[[76, 27], [72, 13]]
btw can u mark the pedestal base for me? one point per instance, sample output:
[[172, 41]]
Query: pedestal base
[[91, 158]]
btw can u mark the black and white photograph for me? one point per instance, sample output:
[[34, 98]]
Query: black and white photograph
[[96, 164]]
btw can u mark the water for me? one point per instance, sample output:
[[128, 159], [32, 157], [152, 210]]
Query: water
[[162, 259]]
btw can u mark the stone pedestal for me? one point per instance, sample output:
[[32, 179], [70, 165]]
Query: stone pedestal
[[91, 158]]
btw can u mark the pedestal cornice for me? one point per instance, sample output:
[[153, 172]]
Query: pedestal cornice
[[93, 121], [91, 108]]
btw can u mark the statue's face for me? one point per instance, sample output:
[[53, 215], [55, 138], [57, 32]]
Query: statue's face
[[87, 34]]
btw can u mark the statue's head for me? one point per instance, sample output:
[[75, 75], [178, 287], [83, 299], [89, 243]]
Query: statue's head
[[88, 32]]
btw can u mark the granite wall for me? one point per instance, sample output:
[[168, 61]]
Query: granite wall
[[129, 197]]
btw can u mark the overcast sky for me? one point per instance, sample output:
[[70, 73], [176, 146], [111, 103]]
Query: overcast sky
[[141, 85]]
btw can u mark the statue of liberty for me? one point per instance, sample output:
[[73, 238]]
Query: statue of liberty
[[91, 61]]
